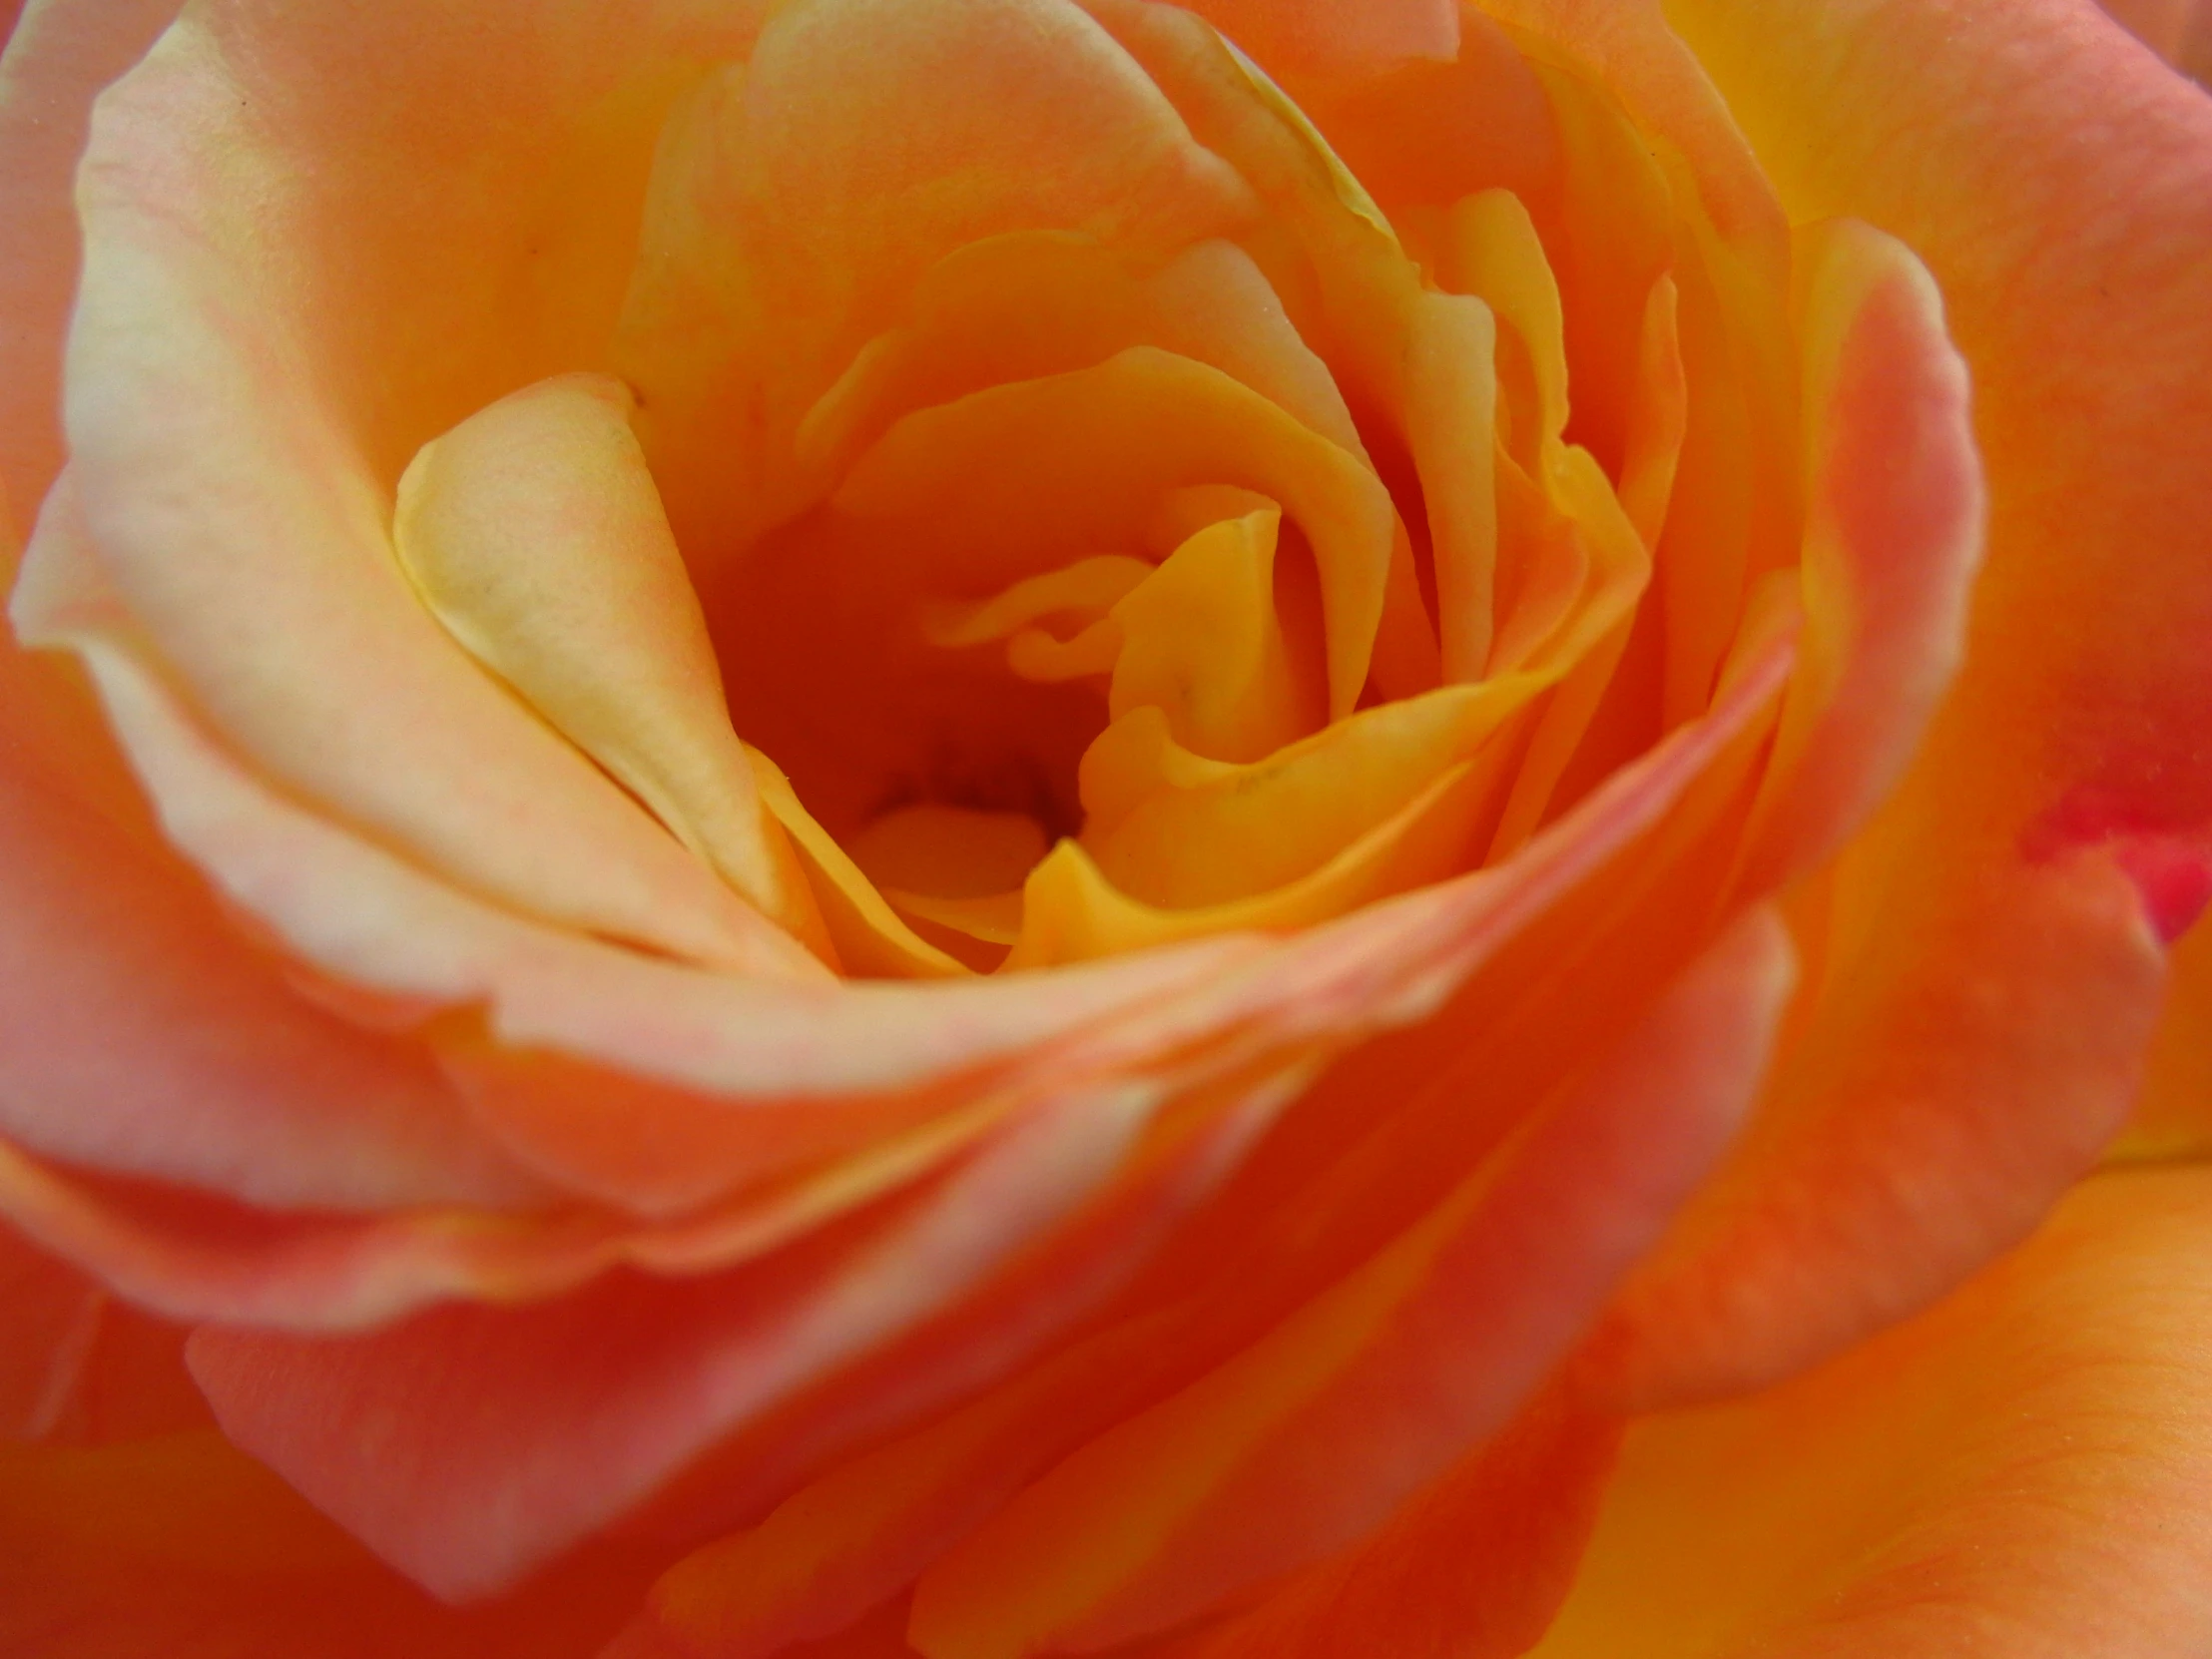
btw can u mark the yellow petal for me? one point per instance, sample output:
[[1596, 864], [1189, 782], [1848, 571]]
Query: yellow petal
[[534, 534]]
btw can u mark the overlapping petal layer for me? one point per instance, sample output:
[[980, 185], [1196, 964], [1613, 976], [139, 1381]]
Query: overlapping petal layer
[[983, 371], [2018, 1470]]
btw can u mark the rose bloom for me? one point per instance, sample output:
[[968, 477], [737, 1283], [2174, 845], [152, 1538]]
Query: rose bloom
[[995, 828]]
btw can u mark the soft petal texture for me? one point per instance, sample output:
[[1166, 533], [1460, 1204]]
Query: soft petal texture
[[2021, 1471], [127, 990], [1945, 1090], [715, 1142], [2076, 719], [297, 637], [1892, 543], [984, 482], [2058, 183], [1314, 1435], [1301, 999], [787, 221], [57, 57], [534, 533], [467, 1446]]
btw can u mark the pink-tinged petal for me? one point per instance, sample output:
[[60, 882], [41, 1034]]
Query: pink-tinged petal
[[180, 1546], [1312, 1437], [1892, 540], [58, 57], [142, 1033], [2058, 180], [1324, 40], [48, 1319], [1951, 1083], [2020, 1470], [467, 1445]]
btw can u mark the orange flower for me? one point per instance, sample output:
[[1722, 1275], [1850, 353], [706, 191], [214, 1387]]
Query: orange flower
[[989, 828]]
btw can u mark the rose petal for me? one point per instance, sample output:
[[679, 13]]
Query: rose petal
[[534, 533], [1285, 1454], [787, 226], [2020, 1470], [298, 636], [1079, 303], [1892, 541], [56, 59], [139, 1032], [978, 485], [1953, 1082], [468, 1446], [2072, 254]]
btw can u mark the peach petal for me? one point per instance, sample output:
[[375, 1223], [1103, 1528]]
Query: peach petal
[[2085, 659], [1655, 180], [1404, 351], [196, 1257], [1080, 302], [787, 225], [57, 60], [864, 1529], [1073, 911], [1629, 50], [363, 918], [2175, 29], [2018, 1470], [1892, 541], [1952, 1082], [528, 1431], [1202, 643], [299, 639], [200, 1259], [142, 1033], [1209, 1116], [1282, 1455], [1379, 961]]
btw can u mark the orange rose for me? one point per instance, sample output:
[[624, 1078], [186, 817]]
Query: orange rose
[[971, 828]]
